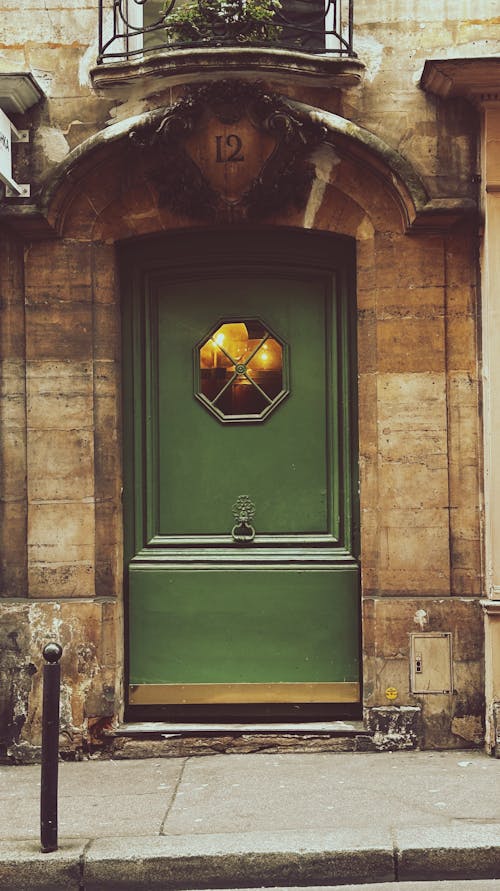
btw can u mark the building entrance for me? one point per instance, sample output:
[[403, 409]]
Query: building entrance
[[240, 506]]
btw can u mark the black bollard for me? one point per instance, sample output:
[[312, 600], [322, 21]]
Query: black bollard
[[52, 652]]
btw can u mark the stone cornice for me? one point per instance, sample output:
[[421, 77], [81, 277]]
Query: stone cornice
[[124, 79], [475, 79], [19, 91], [491, 607]]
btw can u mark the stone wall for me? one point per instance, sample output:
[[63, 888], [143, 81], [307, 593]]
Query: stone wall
[[61, 510], [419, 399]]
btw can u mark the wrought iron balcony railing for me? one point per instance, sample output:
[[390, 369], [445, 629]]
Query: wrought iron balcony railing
[[131, 29]]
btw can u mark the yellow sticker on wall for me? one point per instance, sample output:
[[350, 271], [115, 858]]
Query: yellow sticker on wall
[[391, 693]]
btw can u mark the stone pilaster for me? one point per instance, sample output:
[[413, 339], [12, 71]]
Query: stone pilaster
[[479, 81]]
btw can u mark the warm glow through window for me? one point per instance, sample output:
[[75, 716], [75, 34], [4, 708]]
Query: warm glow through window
[[241, 370]]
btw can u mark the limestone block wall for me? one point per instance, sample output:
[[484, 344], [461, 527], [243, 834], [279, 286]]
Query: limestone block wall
[[419, 398], [418, 426], [394, 39], [420, 472], [72, 347], [13, 566], [60, 495]]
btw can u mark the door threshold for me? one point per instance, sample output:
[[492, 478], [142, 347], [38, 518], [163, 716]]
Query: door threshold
[[163, 729]]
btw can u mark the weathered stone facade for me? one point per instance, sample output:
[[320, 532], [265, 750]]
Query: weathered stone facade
[[402, 179]]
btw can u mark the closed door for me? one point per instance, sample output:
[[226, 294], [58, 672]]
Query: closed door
[[243, 582]]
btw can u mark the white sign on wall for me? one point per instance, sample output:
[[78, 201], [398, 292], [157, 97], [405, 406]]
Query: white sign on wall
[[5, 146], [8, 134]]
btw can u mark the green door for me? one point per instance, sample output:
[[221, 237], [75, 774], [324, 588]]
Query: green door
[[243, 579]]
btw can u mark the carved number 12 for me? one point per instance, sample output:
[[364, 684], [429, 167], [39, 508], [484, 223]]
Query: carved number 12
[[232, 142]]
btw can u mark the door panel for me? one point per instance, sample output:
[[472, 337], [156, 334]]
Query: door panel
[[246, 626], [281, 463], [213, 620]]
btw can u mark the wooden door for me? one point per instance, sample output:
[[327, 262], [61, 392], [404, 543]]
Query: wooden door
[[240, 511]]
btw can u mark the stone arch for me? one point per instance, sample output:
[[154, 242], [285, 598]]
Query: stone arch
[[101, 192]]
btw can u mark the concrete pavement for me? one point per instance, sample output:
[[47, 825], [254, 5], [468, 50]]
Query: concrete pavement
[[240, 821]]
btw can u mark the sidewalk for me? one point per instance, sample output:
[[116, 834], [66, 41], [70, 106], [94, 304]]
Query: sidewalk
[[240, 821]]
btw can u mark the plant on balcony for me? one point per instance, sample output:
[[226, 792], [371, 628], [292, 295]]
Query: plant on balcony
[[243, 21]]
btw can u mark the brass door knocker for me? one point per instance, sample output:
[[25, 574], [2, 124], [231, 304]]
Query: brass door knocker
[[243, 512]]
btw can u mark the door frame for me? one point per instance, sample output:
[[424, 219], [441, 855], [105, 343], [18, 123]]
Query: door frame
[[141, 263]]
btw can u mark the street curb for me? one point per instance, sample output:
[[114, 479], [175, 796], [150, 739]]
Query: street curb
[[245, 860], [252, 859], [24, 868], [466, 851]]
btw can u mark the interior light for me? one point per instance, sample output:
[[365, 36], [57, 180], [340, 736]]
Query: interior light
[[241, 367], [268, 357]]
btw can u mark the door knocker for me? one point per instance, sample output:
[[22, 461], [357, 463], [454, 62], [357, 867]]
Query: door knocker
[[243, 512]]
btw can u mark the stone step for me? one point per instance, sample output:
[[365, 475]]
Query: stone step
[[146, 739]]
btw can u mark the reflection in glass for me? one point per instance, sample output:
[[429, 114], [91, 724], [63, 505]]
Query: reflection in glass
[[241, 368]]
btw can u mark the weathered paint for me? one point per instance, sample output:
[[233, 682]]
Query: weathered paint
[[61, 533]]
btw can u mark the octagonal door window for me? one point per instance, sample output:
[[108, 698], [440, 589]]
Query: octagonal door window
[[241, 369]]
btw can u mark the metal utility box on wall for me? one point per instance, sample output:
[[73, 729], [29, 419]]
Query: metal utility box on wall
[[430, 663]]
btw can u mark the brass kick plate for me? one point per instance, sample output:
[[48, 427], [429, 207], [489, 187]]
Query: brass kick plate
[[190, 694]]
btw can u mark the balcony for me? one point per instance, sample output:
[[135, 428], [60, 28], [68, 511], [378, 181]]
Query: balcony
[[176, 41]]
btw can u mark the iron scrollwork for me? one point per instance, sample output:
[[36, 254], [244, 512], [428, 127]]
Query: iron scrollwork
[[136, 28], [285, 177]]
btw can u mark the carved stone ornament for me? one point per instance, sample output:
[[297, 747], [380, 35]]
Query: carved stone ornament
[[230, 150]]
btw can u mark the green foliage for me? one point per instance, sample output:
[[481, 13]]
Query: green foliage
[[244, 21]]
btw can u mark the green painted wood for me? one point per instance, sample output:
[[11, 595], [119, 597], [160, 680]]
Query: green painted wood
[[213, 622], [243, 626], [282, 463]]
